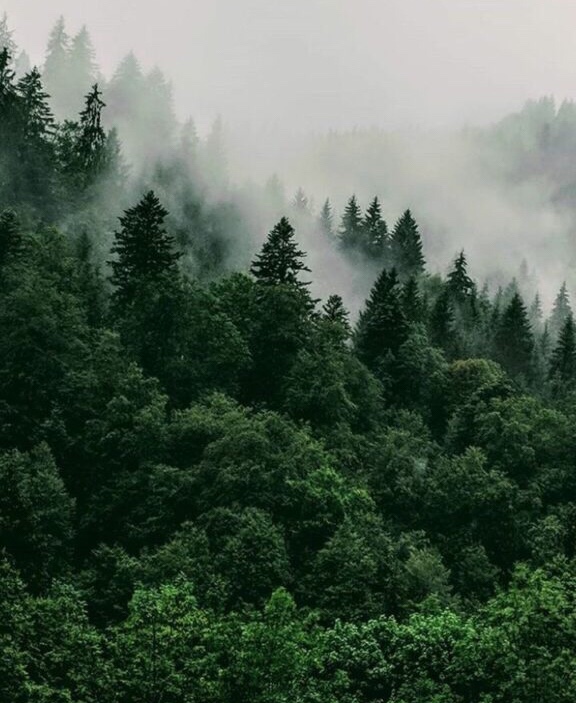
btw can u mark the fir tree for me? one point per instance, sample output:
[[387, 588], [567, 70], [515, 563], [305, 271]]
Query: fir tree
[[561, 310], [6, 40], [459, 283], [406, 247], [375, 239], [280, 261], [351, 226], [55, 73], [38, 117], [326, 221], [412, 302], [82, 67], [535, 314], [382, 327], [144, 250], [514, 341], [300, 203], [442, 324], [563, 360], [91, 144]]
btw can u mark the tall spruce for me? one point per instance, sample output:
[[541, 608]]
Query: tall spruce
[[56, 67], [326, 220], [91, 145], [351, 226], [280, 261], [375, 236], [406, 247], [561, 311], [459, 283], [514, 340], [382, 326], [144, 250], [562, 370]]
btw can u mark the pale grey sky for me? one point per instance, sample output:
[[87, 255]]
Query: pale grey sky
[[330, 63]]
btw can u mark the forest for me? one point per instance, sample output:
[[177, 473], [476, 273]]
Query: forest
[[220, 485]]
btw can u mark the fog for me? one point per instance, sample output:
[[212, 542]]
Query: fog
[[394, 98], [322, 64]]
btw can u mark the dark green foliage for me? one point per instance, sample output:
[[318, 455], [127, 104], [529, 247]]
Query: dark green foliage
[[351, 226], [514, 341], [560, 312], [144, 250], [279, 261], [406, 247], [459, 282], [562, 371], [382, 326], [376, 239]]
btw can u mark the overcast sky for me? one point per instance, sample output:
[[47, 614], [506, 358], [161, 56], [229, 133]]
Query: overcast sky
[[330, 63]]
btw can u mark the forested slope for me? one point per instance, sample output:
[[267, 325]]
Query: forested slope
[[216, 487]]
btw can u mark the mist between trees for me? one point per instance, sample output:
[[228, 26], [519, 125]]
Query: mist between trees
[[216, 483]]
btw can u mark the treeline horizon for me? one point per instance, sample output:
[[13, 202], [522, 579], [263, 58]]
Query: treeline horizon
[[217, 487]]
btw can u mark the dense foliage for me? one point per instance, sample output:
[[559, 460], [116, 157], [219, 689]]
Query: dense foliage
[[215, 487]]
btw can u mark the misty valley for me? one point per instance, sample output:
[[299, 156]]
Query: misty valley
[[288, 423]]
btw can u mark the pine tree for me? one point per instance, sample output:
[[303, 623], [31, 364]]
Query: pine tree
[[145, 252], [300, 203], [412, 302], [280, 261], [382, 327], [326, 221], [561, 310], [376, 238], [55, 73], [441, 325], [514, 340], [535, 314], [38, 117], [91, 144], [6, 40], [351, 226], [459, 283], [563, 360], [82, 67], [406, 247]]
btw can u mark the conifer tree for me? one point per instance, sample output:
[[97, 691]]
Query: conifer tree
[[459, 283], [6, 40], [91, 145], [55, 73], [412, 302], [382, 327], [375, 239], [561, 310], [514, 340], [144, 250], [563, 360], [535, 314], [442, 324], [406, 247], [38, 117], [300, 204], [280, 261], [82, 67], [351, 226], [326, 220]]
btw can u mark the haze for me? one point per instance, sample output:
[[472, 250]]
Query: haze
[[324, 64]]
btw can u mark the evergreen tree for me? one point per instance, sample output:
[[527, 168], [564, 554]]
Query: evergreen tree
[[382, 326], [412, 301], [376, 239], [91, 144], [280, 261], [513, 339], [459, 283], [55, 73], [406, 247], [561, 310], [82, 67], [145, 252], [351, 226], [535, 314], [6, 40], [300, 204], [441, 326], [326, 220], [37, 115], [563, 360]]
